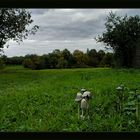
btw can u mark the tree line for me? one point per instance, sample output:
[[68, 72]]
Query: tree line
[[62, 59]]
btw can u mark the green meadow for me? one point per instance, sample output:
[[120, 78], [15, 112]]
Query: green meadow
[[44, 100]]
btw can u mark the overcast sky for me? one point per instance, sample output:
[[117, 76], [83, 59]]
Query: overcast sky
[[65, 28]]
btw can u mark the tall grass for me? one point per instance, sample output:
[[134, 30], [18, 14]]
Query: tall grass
[[43, 100]]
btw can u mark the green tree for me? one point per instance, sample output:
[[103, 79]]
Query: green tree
[[54, 58], [4, 58], [46, 60], [27, 63], [69, 60], [80, 58], [16, 60], [33, 62], [107, 60], [93, 58], [2, 64], [14, 25], [121, 35], [62, 63], [100, 54]]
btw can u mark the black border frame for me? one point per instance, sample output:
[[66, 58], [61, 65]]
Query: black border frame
[[70, 135], [70, 4]]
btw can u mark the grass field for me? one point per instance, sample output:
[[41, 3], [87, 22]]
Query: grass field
[[44, 100]]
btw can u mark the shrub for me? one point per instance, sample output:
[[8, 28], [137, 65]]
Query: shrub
[[27, 63], [34, 62], [2, 64]]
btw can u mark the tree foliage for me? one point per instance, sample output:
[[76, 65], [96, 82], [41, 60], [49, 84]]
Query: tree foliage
[[62, 59], [93, 58], [14, 25], [2, 64], [122, 35], [107, 60], [79, 58]]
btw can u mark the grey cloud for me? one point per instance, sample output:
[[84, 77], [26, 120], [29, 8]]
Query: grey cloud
[[37, 11], [58, 24], [129, 12], [44, 47], [65, 28], [73, 30]]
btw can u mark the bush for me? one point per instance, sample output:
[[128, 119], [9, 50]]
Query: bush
[[34, 62], [2, 64], [107, 60], [27, 63]]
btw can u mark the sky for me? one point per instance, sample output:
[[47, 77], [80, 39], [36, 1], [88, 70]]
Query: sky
[[64, 28]]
